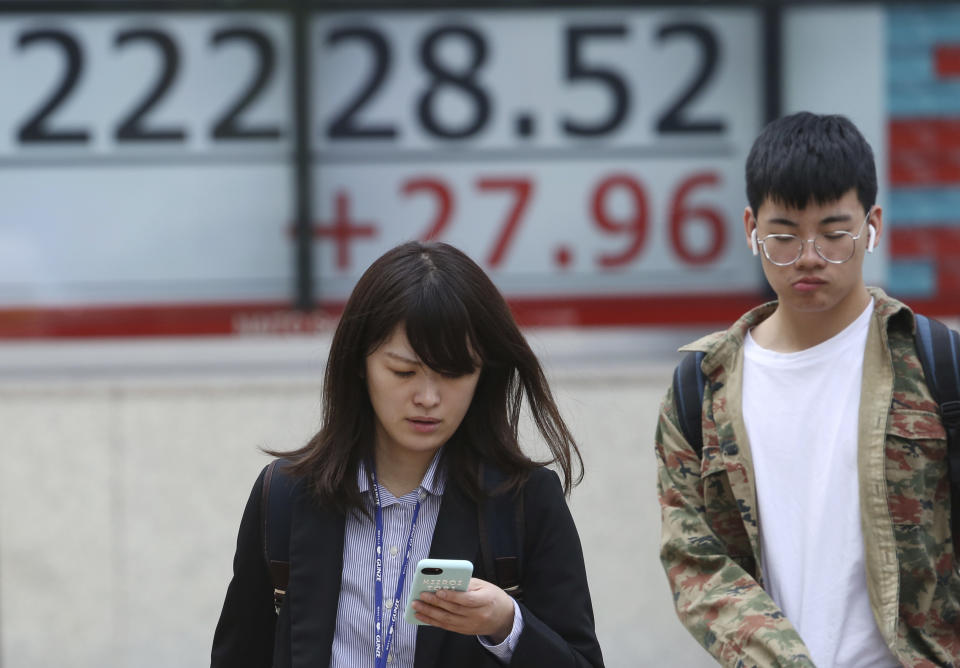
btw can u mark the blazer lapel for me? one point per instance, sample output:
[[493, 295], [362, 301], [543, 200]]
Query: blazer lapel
[[316, 565], [456, 536]]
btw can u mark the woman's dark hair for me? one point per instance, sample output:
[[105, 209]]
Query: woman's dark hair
[[449, 308], [808, 156]]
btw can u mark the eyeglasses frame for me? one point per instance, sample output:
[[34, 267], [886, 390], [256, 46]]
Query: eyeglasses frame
[[812, 240]]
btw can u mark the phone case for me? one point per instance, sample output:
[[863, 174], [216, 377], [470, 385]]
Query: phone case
[[440, 574]]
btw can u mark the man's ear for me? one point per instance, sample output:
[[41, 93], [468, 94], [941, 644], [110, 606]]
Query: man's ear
[[874, 227], [750, 228]]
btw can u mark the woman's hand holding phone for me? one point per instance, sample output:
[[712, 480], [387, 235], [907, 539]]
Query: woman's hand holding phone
[[483, 610]]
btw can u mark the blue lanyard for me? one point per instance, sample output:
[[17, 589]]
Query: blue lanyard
[[382, 644]]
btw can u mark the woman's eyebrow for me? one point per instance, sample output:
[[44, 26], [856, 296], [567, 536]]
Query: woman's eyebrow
[[402, 358]]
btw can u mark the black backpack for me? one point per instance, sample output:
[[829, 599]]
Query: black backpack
[[500, 522], [938, 348]]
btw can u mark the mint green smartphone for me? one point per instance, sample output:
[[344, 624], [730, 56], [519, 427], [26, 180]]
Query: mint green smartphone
[[434, 574]]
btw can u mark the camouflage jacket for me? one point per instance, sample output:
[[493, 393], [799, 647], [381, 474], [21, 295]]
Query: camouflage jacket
[[710, 546]]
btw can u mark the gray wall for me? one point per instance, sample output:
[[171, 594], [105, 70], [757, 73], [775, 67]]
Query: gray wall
[[125, 467]]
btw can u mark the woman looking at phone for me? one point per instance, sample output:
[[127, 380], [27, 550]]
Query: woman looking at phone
[[423, 388]]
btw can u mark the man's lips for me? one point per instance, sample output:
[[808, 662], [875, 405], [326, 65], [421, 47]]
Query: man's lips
[[808, 283]]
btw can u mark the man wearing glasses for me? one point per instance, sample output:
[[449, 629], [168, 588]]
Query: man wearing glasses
[[813, 529]]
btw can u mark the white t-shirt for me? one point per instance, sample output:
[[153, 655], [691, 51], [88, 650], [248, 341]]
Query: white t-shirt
[[801, 413]]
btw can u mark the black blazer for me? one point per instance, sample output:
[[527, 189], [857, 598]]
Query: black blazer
[[558, 618]]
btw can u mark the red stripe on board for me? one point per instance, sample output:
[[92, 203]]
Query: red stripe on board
[[924, 151], [940, 245], [946, 60], [940, 306], [261, 318], [924, 134], [719, 310], [633, 310], [915, 169], [152, 320], [948, 277], [935, 242], [277, 318]]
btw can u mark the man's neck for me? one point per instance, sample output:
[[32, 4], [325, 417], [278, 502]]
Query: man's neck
[[790, 331]]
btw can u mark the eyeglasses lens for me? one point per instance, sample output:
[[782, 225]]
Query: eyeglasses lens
[[837, 247], [785, 249]]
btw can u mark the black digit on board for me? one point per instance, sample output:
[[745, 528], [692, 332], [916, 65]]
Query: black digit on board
[[674, 119], [444, 77], [578, 70], [35, 129], [226, 127], [344, 124], [132, 128]]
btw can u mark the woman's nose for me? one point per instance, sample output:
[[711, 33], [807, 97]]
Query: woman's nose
[[428, 393]]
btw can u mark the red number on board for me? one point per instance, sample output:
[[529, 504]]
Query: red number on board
[[444, 198], [681, 216], [342, 229], [521, 190], [634, 226]]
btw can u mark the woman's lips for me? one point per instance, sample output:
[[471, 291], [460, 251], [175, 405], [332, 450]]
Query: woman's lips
[[424, 425]]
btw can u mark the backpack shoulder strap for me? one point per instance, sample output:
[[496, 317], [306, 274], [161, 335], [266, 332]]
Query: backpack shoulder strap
[[275, 512], [688, 382], [938, 348], [501, 525]]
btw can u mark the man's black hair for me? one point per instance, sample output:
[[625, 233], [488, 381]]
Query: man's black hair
[[808, 157]]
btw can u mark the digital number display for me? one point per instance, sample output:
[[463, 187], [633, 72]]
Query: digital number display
[[145, 158], [108, 82], [148, 157], [570, 152]]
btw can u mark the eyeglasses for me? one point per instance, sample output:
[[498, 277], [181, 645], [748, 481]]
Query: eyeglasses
[[835, 247]]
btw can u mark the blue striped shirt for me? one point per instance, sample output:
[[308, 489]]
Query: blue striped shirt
[[353, 640]]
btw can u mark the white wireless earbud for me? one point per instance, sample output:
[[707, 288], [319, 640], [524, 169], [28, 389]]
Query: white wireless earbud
[[753, 241], [871, 237]]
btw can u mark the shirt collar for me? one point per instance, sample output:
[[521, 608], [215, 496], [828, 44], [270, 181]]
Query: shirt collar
[[434, 480]]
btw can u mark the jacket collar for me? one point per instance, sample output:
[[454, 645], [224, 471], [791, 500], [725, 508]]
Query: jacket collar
[[721, 347]]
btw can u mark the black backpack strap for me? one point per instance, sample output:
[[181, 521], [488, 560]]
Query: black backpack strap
[[275, 512], [688, 381], [938, 348], [500, 520]]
